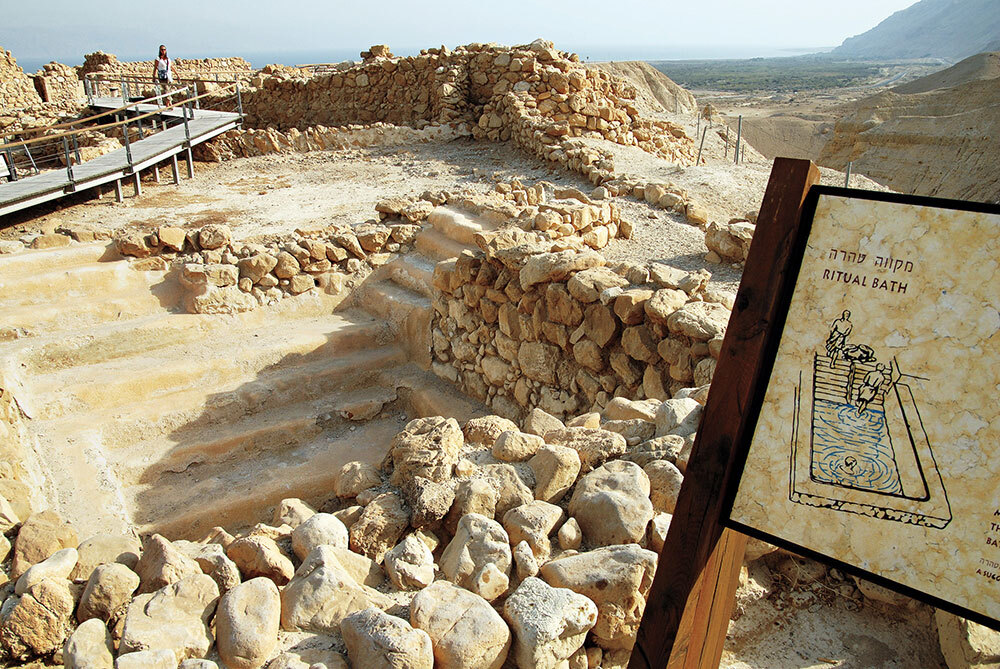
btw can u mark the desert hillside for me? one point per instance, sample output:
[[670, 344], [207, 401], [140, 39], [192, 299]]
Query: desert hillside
[[653, 85], [951, 29], [939, 140]]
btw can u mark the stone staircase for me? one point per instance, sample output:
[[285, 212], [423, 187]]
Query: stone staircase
[[400, 291], [151, 419]]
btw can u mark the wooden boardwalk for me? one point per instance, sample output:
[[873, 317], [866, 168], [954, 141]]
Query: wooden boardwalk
[[114, 166]]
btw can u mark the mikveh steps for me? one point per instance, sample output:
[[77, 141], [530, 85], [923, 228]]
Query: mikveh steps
[[152, 419], [400, 291]]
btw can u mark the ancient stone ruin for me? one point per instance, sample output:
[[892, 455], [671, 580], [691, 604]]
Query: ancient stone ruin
[[451, 435]]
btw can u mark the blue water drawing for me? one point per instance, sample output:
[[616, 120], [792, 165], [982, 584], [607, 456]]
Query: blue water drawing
[[852, 448]]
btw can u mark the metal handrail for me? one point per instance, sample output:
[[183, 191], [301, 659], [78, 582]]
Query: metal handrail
[[126, 121]]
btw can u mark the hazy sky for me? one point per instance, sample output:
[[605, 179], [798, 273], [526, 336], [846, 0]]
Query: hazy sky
[[66, 29]]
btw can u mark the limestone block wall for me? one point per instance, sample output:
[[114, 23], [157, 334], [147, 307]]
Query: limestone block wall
[[532, 94], [108, 63], [16, 88], [55, 82], [530, 326]]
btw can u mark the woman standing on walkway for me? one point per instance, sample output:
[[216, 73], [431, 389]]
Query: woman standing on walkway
[[162, 71]]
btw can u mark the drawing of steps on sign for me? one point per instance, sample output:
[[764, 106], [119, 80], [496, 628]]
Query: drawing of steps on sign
[[858, 443]]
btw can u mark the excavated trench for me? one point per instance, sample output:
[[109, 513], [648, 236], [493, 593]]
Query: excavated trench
[[144, 417]]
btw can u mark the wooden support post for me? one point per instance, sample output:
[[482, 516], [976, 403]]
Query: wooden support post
[[190, 161], [176, 170], [691, 599], [138, 185], [156, 174], [118, 190]]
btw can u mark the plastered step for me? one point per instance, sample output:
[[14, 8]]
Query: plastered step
[[437, 246], [413, 272], [271, 431], [239, 493], [225, 356], [29, 263], [124, 338], [212, 409], [90, 281], [424, 394], [72, 314], [409, 313], [457, 224]]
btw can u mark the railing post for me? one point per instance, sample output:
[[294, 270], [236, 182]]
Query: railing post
[[847, 177], [739, 136], [10, 164], [239, 98], [69, 162], [76, 150], [88, 90], [187, 128], [31, 158], [128, 147], [124, 92]]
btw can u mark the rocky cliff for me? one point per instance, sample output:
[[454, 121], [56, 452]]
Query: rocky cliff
[[950, 29]]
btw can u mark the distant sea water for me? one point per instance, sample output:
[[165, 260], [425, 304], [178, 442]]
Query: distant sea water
[[587, 53]]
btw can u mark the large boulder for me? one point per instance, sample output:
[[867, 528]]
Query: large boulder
[[89, 647], [320, 529], [410, 564], [595, 446], [41, 535], [109, 589], [426, 447], [162, 564], [478, 557], [617, 579], [175, 618], [376, 640], [39, 621], [57, 566], [380, 526], [322, 593], [258, 555], [612, 504], [104, 548], [465, 631], [549, 624], [665, 481], [965, 644], [555, 469], [213, 561], [247, 622]]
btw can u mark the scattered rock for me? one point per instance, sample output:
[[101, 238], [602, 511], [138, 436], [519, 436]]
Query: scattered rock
[[322, 593], [617, 579], [377, 640], [479, 543], [595, 447], [102, 549], [246, 624], [38, 622], [41, 535], [174, 618], [107, 592], [612, 504], [318, 530], [380, 526], [410, 564], [260, 556], [89, 647], [549, 624], [555, 469], [426, 447], [465, 631]]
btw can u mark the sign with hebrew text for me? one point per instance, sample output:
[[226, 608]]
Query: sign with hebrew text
[[876, 439]]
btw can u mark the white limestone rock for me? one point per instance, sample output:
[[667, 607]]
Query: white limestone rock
[[617, 579], [549, 624], [318, 530], [479, 543], [89, 647], [465, 631], [247, 622], [376, 640], [410, 564], [612, 504], [108, 590], [322, 593], [174, 618], [59, 565]]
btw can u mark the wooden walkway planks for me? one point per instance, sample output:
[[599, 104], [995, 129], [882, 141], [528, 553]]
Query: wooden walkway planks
[[113, 166]]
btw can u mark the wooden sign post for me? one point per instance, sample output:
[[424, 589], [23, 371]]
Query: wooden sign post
[[691, 598]]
